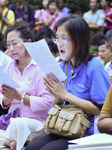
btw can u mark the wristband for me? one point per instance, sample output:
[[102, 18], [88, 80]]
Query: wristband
[[22, 99]]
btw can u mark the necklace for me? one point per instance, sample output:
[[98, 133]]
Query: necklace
[[72, 72]]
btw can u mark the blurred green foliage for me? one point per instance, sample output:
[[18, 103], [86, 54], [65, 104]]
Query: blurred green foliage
[[83, 4]]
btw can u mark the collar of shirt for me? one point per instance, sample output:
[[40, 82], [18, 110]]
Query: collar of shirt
[[32, 62], [76, 69], [96, 13]]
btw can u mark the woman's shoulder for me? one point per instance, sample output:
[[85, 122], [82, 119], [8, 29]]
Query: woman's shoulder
[[95, 66], [62, 64], [94, 63]]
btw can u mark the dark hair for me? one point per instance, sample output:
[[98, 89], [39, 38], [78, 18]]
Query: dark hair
[[98, 1], [108, 2], [44, 32], [109, 34], [2, 42], [102, 41], [52, 1], [52, 46], [64, 1], [73, 8], [79, 32], [41, 5], [96, 38], [24, 30]]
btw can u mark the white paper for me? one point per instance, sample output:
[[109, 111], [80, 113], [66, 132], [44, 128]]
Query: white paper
[[5, 78], [93, 139], [101, 146], [40, 52]]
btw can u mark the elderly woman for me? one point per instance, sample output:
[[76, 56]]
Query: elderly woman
[[31, 100]]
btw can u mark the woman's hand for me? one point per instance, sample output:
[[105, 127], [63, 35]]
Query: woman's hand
[[6, 101], [54, 86], [10, 92], [56, 13], [57, 101]]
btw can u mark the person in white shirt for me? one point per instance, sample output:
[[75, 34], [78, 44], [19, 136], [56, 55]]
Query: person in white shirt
[[94, 17]]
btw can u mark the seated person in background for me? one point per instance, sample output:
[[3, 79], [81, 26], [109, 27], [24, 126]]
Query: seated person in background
[[108, 13], [39, 15], [7, 16], [74, 9], [62, 7], [23, 11], [104, 52], [32, 100], [105, 118], [87, 82], [45, 33], [94, 17], [54, 49], [94, 42], [108, 66], [52, 15]]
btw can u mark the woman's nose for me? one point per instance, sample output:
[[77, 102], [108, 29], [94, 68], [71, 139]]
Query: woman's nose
[[11, 47], [60, 43]]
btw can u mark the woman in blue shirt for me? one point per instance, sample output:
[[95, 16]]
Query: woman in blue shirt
[[87, 83]]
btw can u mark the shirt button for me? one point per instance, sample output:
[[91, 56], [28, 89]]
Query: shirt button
[[71, 81]]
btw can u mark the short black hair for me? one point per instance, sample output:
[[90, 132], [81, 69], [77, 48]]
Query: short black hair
[[52, 46], [109, 34], [44, 32], [96, 38]]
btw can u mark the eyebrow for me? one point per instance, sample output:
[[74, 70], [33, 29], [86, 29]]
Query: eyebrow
[[13, 40]]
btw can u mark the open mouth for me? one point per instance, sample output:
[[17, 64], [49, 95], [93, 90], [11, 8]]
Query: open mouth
[[62, 51], [14, 54], [102, 58]]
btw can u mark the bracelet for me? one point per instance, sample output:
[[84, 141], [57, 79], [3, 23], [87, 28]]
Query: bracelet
[[22, 99]]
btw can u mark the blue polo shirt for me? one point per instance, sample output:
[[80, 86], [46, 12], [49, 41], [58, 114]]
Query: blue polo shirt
[[90, 82]]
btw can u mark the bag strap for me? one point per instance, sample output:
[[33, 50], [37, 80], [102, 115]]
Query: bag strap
[[66, 70], [62, 101]]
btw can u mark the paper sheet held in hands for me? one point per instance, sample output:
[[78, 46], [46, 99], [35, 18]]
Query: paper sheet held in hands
[[40, 52], [5, 78]]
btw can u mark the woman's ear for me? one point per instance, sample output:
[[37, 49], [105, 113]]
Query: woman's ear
[[29, 40]]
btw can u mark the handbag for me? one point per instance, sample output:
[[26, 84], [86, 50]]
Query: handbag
[[67, 120]]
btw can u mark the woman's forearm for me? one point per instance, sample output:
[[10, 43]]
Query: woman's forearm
[[105, 125], [85, 105]]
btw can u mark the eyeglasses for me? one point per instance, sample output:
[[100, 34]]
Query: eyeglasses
[[63, 40]]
